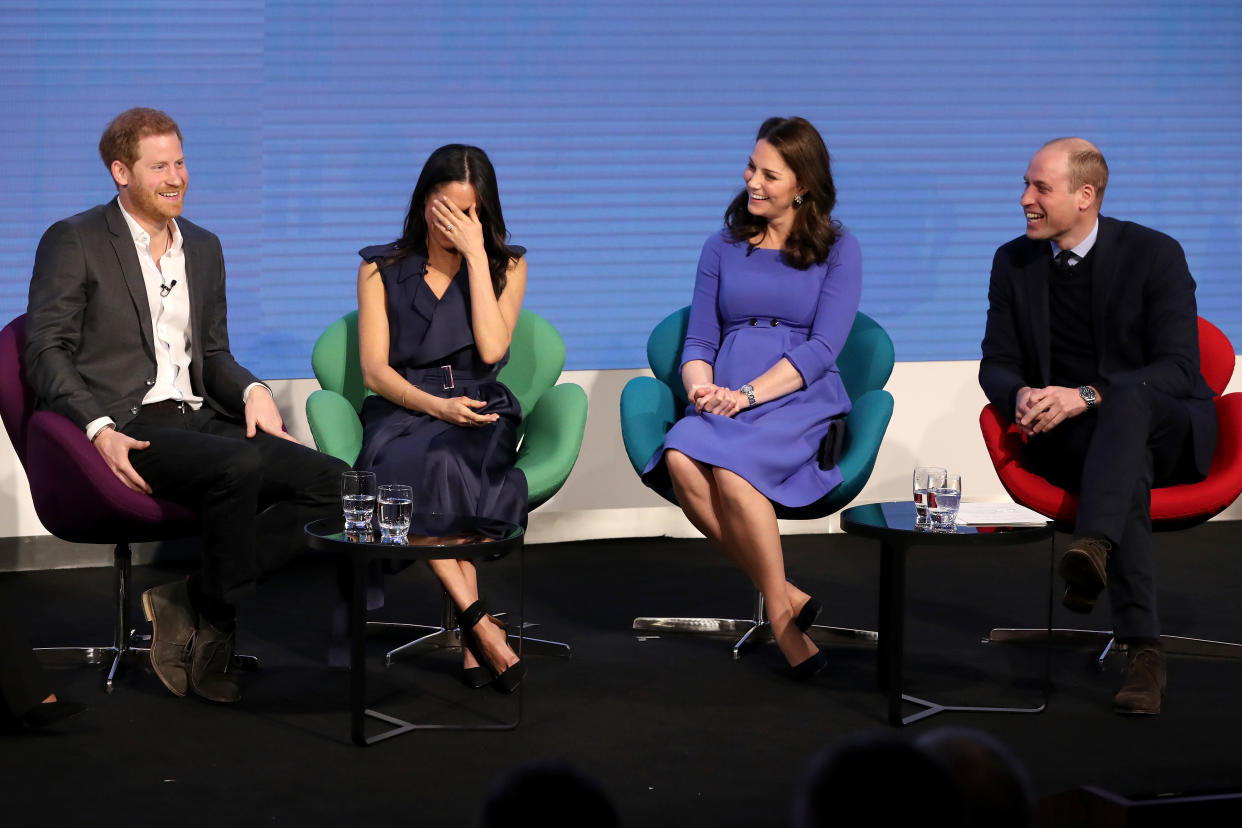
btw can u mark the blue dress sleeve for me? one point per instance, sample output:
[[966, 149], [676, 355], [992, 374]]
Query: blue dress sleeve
[[834, 313], [703, 329]]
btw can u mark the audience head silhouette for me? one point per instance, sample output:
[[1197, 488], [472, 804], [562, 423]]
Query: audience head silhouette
[[550, 794], [873, 780], [994, 784]]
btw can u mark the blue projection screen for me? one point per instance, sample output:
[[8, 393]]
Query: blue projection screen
[[619, 132]]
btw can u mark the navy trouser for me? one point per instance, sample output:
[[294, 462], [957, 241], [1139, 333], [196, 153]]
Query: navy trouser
[[1112, 457]]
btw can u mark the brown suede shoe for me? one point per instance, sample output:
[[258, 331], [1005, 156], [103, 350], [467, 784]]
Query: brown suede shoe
[[1146, 679], [172, 620], [1083, 566], [212, 675]]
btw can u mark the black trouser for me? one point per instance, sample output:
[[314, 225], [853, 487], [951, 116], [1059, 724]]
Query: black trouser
[[22, 682], [1113, 456], [253, 495]]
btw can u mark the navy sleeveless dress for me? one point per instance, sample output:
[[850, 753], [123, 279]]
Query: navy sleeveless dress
[[453, 469]]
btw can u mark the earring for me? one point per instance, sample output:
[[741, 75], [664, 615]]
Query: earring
[[798, 201]]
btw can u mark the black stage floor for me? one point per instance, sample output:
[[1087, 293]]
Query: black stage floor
[[676, 731]]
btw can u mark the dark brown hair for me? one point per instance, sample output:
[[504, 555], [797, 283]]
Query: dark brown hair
[[814, 231], [458, 162], [119, 141]]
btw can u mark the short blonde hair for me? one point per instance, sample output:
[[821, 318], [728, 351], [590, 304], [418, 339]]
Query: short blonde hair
[[1085, 165]]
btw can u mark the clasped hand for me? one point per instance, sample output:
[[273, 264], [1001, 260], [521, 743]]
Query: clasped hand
[[460, 411], [710, 398], [1039, 410]]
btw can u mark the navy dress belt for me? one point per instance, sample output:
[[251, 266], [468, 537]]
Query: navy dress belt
[[445, 377]]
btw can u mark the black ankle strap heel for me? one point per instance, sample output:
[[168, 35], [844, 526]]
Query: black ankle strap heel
[[505, 681]]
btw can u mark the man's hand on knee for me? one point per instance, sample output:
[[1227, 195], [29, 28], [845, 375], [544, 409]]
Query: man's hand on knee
[[115, 447], [263, 415]]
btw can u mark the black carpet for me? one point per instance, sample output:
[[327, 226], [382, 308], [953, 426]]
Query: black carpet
[[677, 732]]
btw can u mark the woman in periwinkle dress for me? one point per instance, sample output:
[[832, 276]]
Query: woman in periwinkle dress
[[774, 300], [436, 311]]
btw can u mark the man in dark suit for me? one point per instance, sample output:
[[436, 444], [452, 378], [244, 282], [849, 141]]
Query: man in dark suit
[[127, 337], [1092, 348]]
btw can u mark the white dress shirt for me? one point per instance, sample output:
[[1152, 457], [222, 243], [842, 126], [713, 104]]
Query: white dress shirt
[[168, 297], [1080, 250]]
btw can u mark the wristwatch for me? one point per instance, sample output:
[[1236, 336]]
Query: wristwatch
[[1088, 395], [749, 391]]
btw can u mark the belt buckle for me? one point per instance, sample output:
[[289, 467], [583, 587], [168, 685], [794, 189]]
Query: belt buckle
[[447, 371]]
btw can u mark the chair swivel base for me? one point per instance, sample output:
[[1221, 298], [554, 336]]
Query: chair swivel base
[[1173, 644], [446, 638], [116, 656], [750, 631]]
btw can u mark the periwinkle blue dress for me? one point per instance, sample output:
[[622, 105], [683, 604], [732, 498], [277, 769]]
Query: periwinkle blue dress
[[463, 470], [749, 311]]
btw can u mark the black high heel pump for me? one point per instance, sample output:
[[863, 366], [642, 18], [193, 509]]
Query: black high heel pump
[[806, 616], [506, 681]]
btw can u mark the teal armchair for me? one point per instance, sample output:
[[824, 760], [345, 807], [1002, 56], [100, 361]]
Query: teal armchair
[[553, 422], [650, 406]]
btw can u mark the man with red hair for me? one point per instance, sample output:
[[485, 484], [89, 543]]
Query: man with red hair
[[127, 336]]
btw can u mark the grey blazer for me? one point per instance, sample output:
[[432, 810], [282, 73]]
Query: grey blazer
[[90, 348]]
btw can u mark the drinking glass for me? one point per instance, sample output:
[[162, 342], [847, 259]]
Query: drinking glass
[[396, 508], [944, 501], [358, 498], [924, 478]]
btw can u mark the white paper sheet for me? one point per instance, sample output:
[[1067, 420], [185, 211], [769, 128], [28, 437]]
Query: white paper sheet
[[998, 514]]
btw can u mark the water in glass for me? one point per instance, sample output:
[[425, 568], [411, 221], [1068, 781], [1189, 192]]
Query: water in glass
[[358, 509], [944, 501], [358, 498], [396, 508], [924, 478]]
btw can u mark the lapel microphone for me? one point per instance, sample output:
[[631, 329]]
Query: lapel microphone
[[166, 289]]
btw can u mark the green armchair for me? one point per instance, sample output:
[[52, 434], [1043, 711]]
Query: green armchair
[[553, 422], [650, 406]]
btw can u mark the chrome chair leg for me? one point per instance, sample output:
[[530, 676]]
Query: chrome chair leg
[[125, 648], [1173, 644], [447, 636], [754, 630]]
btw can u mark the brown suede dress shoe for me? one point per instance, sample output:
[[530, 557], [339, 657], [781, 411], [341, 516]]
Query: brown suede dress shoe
[[1083, 566], [211, 667], [1143, 689], [172, 620]]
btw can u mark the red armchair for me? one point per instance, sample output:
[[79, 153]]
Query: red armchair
[[1172, 507]]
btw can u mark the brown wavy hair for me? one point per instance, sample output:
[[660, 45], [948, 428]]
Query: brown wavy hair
[[814, 231], [459, 162]]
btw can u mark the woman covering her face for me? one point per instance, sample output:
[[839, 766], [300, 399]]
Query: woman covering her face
[[436, 311]]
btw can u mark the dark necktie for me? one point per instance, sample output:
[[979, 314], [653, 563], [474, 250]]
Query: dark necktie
[[1062, 261]]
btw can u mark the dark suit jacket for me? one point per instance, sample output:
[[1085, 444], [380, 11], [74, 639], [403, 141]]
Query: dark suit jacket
[[1144, 320], [90, 348]]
